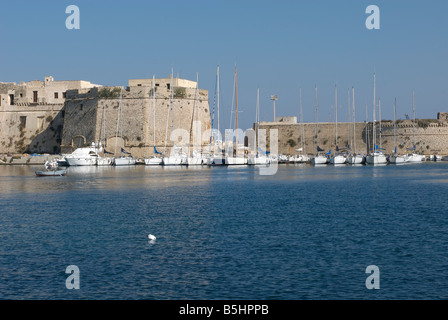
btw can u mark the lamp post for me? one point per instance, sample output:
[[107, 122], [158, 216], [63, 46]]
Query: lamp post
[[274, 98]]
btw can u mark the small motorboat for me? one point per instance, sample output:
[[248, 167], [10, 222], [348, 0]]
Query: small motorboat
[[51, 173], [51, 170]]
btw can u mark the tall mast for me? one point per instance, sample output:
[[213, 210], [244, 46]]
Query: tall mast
[[301, 120], [236, 108], [154, 108], [374, 116], [217, 93], [316, 119], [367, 130], [354, 120], [379, 110], [395, 125], [257, 116], [349, 120], [413, 111], [336, 113]]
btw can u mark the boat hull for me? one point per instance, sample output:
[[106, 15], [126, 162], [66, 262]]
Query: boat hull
[[124, 161], [51, 173], [91, 161], [376, 159], [236, 161], [155, 161], [397, 159], [355, 159], [319, 160]]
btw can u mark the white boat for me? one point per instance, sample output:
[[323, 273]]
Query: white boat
[[85, 156], [445, 158], [376, 158], [124, 161], [414, 157], [258, 160], [155, 160], [237, 158], [105, 161], [319, 159], [355, 159], [125, 158], [236, 161], [177, 158], [396, 158], [338, 159], [197, 159]]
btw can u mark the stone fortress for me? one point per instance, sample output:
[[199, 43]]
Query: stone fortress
[[57, 117]]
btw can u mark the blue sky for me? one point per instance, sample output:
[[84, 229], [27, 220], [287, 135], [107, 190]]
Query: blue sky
[[277, 46]]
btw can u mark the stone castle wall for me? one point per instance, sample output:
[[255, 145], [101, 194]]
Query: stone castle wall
[[93, 117], [431, 136]]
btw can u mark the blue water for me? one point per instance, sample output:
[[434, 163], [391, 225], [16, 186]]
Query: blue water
[[225, 233]]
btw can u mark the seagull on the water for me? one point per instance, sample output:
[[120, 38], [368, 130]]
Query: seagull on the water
[[151, 237]]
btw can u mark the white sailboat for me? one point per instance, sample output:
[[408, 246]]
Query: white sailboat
[[125, 159], [354, 157], [155, 160], [216, 157], [414, 157], [318, 158], [258, 158], [104, 160], [396, 158], [177, 156], [376, 156], [197, 157], [337, 158], [236, 158], [302, 157]]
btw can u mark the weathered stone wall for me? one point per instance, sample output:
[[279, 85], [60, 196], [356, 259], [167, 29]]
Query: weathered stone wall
[[131, 125], [431, 136]]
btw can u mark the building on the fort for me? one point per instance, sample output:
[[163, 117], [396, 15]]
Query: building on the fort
[[58, 116], [31, 114]]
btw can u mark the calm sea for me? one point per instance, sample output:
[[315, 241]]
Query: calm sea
[[225, 233]]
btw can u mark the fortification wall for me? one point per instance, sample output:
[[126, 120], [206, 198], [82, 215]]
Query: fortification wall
[[97, 116], [431, 136]]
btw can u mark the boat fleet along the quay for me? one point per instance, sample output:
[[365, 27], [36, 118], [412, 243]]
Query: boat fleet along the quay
[[220, 154]]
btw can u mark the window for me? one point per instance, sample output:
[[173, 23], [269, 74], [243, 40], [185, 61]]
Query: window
[[56, 95], [64, 95], [139, 85], [21, 95], [82, 106], [22, 122], [35, 96], [11, 99], [168, 86]]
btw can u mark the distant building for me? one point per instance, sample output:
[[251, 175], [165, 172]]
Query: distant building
[[442, 116]]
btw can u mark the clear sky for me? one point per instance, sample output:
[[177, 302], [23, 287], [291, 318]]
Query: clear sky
[[277, 46]]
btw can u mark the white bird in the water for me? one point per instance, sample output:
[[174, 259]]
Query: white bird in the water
[[151, 237]]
